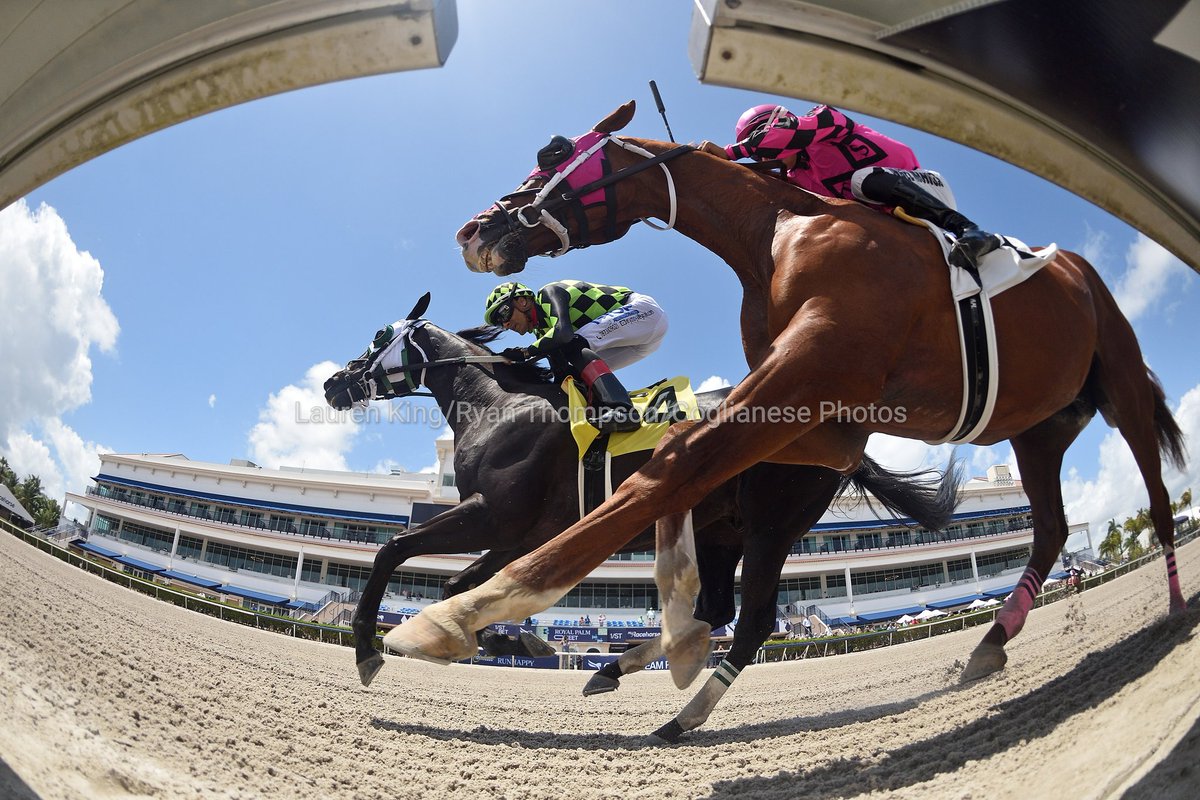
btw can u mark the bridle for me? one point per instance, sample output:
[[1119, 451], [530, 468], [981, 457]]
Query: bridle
[[381, 382], [557, 193]]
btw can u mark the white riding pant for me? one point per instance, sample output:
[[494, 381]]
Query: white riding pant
[[927, 179], [629, 333]]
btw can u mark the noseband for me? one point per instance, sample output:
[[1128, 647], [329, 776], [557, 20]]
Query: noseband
[[551, 196], [375, 380]]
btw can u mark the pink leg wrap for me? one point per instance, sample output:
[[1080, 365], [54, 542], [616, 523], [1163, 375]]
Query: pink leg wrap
[[1173, 588], [1019, 603]]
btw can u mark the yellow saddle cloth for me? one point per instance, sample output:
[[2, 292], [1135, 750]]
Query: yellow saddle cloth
[[670, 400]]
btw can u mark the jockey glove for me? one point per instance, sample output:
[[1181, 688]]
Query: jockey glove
[[517, 355]]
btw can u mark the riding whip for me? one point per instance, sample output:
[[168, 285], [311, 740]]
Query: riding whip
[[661, 109]]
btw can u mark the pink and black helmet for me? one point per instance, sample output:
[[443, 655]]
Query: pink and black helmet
[[761, 116]]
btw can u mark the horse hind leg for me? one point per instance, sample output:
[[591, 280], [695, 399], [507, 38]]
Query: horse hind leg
[[1039, 452], [686, 639], [1142, 416], [717, 563]]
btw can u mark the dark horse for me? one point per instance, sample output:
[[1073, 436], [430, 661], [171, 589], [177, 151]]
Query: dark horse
[[845, 308], [515, 465]]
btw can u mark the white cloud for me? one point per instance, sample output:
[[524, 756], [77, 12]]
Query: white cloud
[[1117, 491], [1148, 276], [212, 401], [297, 427], [30, 456], [53, 316], [712, 383], [897, 454]]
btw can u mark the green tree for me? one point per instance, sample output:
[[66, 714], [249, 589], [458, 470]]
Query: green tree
[[1185, 499], [7, 476], [48, 514], [1133, 545], [1112, 546]]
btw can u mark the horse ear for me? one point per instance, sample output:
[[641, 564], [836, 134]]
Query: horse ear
[[419, 309], [617, 119]]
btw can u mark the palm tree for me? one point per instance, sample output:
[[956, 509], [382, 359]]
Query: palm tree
[[8, 477], [1185, 499], [1133, 545], [29, 494], [48, 514], [1112, 546]]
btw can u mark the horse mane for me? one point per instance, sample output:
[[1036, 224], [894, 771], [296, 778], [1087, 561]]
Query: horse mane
[[529, 372]]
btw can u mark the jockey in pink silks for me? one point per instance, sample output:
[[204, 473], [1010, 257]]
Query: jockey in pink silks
[[830, 154]]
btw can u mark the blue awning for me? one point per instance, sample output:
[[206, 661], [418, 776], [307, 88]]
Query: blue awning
[[250, 594], [1005, 592], [1059, 576], [144, 566], [97, 549], [879, 616], [299, 604], [186, 578], [957, 601], [843, 621]]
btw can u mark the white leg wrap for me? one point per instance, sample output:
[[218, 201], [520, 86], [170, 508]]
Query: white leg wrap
[[696, 712]]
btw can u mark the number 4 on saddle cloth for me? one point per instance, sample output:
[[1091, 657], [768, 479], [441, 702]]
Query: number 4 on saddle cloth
[[660, 405]]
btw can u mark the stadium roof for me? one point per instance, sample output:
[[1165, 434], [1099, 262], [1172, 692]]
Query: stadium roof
[[1098, 97], [82, 78]]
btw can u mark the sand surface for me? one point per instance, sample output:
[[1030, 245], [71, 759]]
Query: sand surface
[[105, 693]]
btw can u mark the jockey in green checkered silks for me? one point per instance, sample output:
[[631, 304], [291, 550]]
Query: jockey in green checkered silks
[[591, 328]]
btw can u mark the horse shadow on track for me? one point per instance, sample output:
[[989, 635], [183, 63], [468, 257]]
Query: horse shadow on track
[[1097, 677], [600, 740], [1031, 716]]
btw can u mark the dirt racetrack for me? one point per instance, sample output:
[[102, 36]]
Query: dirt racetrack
[[107, 693]]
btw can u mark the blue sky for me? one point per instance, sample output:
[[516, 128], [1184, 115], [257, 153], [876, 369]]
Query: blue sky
[[186, 292]]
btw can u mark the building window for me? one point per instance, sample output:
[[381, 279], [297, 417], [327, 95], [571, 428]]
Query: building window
[[267, 563]]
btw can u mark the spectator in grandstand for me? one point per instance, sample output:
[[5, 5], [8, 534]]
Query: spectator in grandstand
[[601, 620]]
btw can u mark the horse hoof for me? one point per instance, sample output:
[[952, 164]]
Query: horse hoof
[[688, 654], [986, 659], [600, 684], [430, 640], [669, 733], [369, 668], [533, 645]]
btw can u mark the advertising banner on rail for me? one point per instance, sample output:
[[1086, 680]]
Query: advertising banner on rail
[[594, 661], [632, 634], [525, 662]]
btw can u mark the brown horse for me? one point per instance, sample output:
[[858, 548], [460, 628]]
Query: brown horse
[[845, 315]]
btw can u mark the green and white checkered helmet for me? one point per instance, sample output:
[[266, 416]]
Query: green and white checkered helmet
[[501, 296]]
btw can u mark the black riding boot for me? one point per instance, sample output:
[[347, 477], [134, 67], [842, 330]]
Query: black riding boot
[[972, 242], [608, 398]]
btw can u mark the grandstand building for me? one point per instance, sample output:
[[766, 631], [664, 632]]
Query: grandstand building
[[298, 539]]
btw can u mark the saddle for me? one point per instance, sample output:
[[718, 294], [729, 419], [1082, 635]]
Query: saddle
[[660, 405], [973, 290]]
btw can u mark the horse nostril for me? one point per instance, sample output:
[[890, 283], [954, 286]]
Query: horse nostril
[[467, 232]]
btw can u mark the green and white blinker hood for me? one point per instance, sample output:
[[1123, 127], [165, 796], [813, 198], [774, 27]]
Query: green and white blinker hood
[[386, 369]]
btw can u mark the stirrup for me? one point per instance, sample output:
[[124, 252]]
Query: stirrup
[[615, 419]]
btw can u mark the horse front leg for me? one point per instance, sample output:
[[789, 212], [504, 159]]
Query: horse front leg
[[681, 473], [608, 677], [685, 639], [463, 528]]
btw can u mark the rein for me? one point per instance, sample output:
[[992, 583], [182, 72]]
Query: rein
[[543, 205]]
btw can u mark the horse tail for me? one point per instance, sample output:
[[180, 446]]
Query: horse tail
[[928, 497], [1170, 437]]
